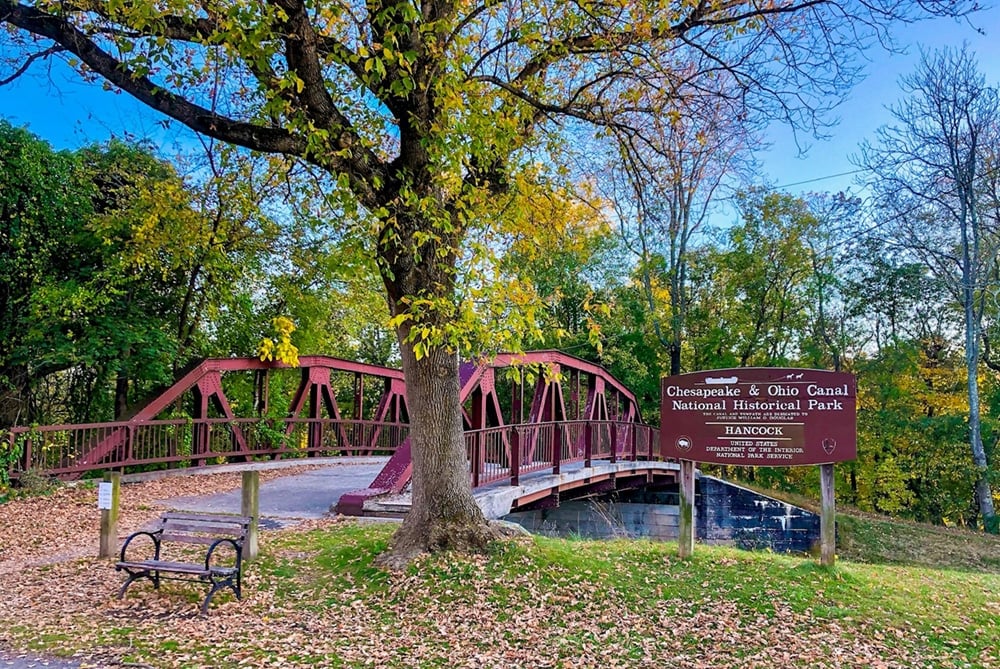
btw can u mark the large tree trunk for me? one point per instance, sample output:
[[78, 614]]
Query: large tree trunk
[[443, 515]]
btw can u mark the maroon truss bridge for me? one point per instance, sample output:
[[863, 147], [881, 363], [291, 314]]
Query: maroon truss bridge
[[526, 415]]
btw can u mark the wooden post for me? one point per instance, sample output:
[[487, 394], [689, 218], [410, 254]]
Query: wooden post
[[828, 517], [109, 516], [251, 508], [685, 537]]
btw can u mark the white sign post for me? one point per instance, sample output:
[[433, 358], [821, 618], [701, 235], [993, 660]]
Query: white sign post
[[107, 501]]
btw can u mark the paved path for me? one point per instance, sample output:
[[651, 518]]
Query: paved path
[[10, 660], [289, 498]]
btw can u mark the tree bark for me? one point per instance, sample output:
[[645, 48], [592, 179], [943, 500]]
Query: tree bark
[[121, 395], [444, 514], [984, 491]]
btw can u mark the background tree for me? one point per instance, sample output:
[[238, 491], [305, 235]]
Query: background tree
[[763, 276], [114, 266], [420, 112], [833, 335], [662, 184], [929, 173], [44, 205]]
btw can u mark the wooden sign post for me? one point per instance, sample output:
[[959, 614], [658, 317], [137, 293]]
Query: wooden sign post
[[685, 538], [828, 517], [108, 498], [250, 507], [759, 417]]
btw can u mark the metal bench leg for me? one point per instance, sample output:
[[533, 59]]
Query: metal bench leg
[[153, 576], [216, 586]]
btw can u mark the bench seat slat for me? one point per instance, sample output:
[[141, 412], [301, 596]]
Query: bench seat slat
[[207, 517], [183, 538], [215, 528], [178, 567]]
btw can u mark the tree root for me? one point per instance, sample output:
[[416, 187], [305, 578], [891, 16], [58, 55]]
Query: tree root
[[412, 541]]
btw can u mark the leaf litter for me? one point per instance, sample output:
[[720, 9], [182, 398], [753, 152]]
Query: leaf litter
[[448, 611]]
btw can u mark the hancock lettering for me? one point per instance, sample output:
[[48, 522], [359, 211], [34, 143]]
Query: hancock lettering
[[754, 430]]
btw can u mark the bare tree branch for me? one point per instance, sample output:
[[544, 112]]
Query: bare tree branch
[[40, 55]]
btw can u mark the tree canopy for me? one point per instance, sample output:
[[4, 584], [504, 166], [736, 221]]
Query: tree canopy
[[420, 114]]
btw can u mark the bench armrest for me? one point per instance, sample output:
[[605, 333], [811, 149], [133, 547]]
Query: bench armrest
[[155, 536], [237, 546]]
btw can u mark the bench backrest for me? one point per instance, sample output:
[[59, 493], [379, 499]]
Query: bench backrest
[[197, 528]]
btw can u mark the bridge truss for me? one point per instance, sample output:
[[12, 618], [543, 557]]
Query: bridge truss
[[527, 413], [530, 412]]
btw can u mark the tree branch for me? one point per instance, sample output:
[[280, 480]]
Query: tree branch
[[347, 156], [275, 140], [45, 53]]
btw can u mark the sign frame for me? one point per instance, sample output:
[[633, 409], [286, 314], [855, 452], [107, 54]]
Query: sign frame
[[759, 417]]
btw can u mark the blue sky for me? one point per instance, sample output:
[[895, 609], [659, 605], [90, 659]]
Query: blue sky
[[864, 110], [56, 105]]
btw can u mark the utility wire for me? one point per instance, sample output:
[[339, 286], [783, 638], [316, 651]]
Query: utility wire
[[829, 176]]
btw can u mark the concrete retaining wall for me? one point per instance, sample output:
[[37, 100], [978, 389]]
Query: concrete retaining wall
[[594, 519], [725, 513], [730, 514]]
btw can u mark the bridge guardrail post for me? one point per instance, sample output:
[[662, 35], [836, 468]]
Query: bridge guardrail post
[[613, 442], [556, 447], [129, 439], [29, 445], [477, 457], [588, 443], [635, 453], [515, 457]]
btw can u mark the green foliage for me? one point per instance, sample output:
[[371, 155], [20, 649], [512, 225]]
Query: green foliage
[[11, 451], [43, 207], [112, 267]]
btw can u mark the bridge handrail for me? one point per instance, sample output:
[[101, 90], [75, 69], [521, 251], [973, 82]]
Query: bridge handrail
[[60, 450], [494, 453], [509, 451]]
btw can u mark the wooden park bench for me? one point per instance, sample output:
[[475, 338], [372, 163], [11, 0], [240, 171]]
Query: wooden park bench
[[176, 530]]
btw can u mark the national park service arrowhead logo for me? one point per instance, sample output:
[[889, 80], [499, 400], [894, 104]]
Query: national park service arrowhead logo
[[829, 445], [683, 443]]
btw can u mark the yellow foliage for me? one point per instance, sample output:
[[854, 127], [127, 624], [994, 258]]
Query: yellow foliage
[[265, 350], [283, 350]]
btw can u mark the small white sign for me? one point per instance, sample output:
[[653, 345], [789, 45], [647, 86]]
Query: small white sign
[[104, 495]]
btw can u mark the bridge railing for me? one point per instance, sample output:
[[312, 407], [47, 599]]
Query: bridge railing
[[494, 454], [511, 451], [67, 450]]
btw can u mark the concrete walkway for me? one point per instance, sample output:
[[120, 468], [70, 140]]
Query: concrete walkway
[[10, 660], [287, 499]]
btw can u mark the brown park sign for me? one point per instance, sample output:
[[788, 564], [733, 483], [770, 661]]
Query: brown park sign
[[759, 416]]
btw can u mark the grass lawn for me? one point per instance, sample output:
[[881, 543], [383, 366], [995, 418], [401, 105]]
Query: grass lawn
[[314, 598]]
